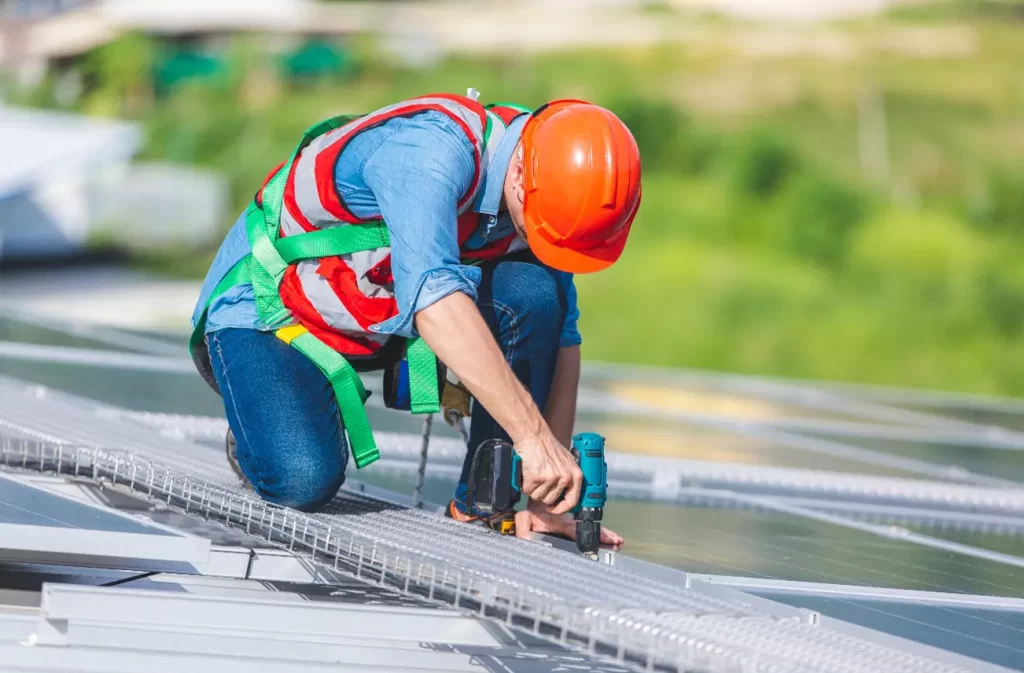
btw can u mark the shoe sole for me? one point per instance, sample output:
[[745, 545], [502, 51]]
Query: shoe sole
[[501, 524], [231, 452]]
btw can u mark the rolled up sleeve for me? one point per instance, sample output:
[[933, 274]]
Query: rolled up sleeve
[[418, 176]]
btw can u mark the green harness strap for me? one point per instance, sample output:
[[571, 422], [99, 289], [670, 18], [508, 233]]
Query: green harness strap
[[348, 387], [333, 241], [265, 267], [236, 275], [262, 231], [348, 390]]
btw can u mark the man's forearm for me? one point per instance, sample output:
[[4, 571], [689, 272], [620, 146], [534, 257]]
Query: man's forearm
[[561, 407], [458, 335]]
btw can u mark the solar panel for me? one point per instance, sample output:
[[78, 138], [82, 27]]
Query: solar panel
[[1006, 541], [175, 340], [696, 538], [131, 389], [1001, 463], [737, 542], [23, 504], [996, 636], [670, 392], [43, 527], [170, 392], [12, 329], [685, 440], [782, 546], [997, 412], [228, 624], [436, 490]]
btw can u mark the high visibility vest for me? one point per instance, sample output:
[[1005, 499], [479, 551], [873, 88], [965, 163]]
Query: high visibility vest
[[339, 298], [322, 276]]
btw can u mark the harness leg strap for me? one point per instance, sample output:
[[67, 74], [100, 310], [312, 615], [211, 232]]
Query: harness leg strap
[[423, 383], [348, 390]]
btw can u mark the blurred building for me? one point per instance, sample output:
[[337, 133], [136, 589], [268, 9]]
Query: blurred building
[[47, 158], [40, 32], [46, 36], [68, 182]]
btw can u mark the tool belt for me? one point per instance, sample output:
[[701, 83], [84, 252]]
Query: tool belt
[[265, 267]]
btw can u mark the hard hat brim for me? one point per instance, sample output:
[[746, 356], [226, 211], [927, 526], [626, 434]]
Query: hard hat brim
[[570, 260]]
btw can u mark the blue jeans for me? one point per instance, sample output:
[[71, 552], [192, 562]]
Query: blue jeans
[[284, 416]]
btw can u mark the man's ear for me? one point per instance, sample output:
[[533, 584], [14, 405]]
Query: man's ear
[[519, 175]]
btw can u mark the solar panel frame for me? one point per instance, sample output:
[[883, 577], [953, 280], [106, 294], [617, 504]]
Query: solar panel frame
[[40, 526], [986, 634]]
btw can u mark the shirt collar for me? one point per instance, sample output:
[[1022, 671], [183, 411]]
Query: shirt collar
[[489, 199]]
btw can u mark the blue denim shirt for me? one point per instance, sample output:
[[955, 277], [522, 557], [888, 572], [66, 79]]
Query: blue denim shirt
[[413, 171]]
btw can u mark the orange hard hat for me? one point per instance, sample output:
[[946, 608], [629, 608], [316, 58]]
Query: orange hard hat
[[581, 169]]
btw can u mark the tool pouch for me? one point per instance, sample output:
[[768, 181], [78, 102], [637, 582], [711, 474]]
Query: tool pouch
[[397, 392], [456, 402]]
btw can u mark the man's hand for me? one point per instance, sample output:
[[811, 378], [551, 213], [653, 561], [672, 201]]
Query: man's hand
[[457, 333], [549, 471], [536, 518]]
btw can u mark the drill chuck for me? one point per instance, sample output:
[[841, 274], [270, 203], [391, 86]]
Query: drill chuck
[[588, 530]]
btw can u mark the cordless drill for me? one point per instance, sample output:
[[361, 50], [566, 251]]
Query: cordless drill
[[496, 486], [588, 449]]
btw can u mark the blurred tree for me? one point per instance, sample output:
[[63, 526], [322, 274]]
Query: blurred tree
[[658, 127], [1002, 295], [822, 215], [999, 205], [122, 74], [762, 163], [316, 60], [667, 137], [926, 256], [186, 61]]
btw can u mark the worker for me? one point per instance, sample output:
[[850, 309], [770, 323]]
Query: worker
[[436, 227]]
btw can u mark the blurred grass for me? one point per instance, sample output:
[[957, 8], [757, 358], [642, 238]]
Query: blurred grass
[[763, 244]]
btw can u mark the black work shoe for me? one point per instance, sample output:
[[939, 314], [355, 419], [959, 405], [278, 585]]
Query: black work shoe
[[499, 522], [231, 451]]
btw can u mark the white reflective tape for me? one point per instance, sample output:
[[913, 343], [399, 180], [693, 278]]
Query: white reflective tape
[[307, 195], [497, 133], [361, 263], [289, 225]]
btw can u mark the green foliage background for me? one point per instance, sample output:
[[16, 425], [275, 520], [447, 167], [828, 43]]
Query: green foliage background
[[762, 245]]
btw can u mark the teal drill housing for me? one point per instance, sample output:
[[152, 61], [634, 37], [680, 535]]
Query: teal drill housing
[[588, 449]]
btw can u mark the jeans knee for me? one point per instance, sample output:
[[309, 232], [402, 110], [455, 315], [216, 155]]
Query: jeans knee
[[535, 295], [305, 485]]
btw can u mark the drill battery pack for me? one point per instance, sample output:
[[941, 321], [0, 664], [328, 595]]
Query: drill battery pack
[[495, 479]]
